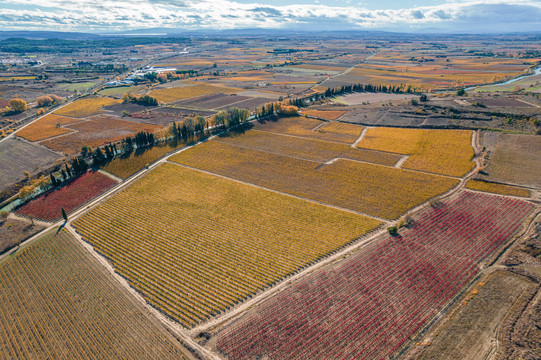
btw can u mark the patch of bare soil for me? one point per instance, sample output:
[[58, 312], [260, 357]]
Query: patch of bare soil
[[14, 231], [520, 337]]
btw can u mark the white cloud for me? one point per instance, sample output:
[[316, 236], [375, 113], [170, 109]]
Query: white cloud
[[224, 14]]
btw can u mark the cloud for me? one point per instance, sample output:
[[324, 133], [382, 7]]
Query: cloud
[[88, 15], [417, 14]]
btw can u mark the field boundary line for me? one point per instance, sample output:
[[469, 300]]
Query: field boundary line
[[529, 103], [281, 193], [401, 162], [319, 126], [56, 136], [359, 139], [112, 176]]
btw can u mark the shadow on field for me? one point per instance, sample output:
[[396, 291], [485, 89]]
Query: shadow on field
[[237, 130]]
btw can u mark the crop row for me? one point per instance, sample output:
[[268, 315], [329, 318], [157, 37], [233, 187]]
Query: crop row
[[314, 129], [49, 206], [370, 304], [86, 107], [309, 149], [369, 188], [58, 303], [447, 152], [195, 244]]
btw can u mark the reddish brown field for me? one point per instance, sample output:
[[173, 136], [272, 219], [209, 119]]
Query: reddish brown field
[[98, 131], [49, 207], [324, 114]]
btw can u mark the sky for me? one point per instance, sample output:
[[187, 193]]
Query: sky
[[102, 16]]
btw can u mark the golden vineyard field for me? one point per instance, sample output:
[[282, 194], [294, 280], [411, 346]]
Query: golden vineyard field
[[124, 167], [377, 190], [184, 92], [312, 128], [195, 244], [309, 149], [58, 302], [46, 127], [446, 152], [497, 188], [86, 107]]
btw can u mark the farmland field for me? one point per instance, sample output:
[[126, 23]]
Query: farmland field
[[58, 302], [496, 188], [479, 318], [177, 93], [196, 244], [212, 101], [372, 189], [97, 131], [18, 156], [372, 302], [446, 152], [367, 97], [515, 159], [124, 167], [307, 149], [312, 128], [46, 127], [14, 231], [324, 114], [86, 107], [49, 206]]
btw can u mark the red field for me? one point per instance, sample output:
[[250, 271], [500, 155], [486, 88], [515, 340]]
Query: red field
[[370, 304], [70, 197]]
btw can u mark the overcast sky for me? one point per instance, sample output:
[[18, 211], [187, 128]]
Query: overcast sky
[[393, 15]]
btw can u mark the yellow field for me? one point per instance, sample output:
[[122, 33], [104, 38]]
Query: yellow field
[[321, 67], [46, 127], [292, 82], [59, 302], [196, 244], [325, 114], [369, 188], [312, 128], [186, 92], [446, 152], [86, 107], [248, 78], [10, 78], [497, 188], [308, 149], [124, 167], [437, 76]]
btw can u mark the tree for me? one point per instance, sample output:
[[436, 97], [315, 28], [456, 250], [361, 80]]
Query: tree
[[44, 101], [17, 105], [86, 151], [53, 180], [423, 98], [461, 92], [98, 157], [64, 215], [3, 215]]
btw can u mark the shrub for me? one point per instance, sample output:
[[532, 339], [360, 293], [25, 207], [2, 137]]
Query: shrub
[[17, 105], [393, 230]]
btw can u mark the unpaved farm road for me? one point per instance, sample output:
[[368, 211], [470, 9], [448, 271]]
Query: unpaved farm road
[[185, 334]]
